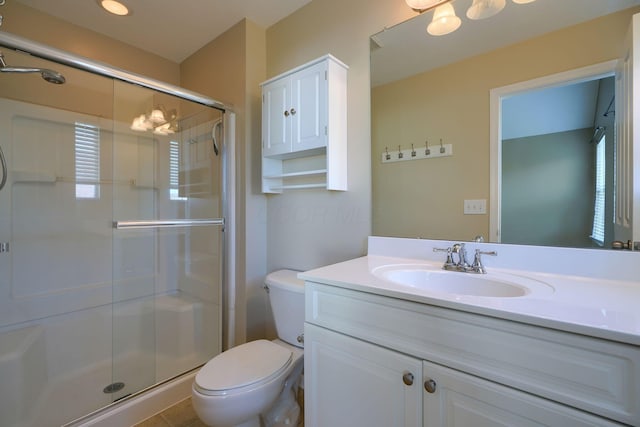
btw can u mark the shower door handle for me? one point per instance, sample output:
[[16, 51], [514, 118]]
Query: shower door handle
[[167, 223], [3, 165]]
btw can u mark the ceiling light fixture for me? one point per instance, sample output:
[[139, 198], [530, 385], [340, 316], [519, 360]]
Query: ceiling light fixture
[[445, 20], [159, 120], [114, 7]]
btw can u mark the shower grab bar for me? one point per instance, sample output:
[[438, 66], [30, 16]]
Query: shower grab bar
[[167, 223]]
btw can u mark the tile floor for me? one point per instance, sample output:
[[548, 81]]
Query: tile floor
[[182, 414]]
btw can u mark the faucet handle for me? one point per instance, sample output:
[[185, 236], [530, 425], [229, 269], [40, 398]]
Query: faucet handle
[[477, 261], [449, 261]]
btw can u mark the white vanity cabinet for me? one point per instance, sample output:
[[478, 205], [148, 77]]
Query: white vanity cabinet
[[356, 383], [468, 369], [304, 127]]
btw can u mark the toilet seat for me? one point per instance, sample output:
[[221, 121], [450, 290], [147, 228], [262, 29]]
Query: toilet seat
[[247, 365]]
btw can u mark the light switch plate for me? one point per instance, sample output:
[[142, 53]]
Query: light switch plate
[[475, 207]]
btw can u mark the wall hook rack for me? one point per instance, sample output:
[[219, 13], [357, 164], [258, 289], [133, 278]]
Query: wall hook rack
[[401, 155]]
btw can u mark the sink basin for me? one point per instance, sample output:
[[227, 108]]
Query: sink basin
[[440, 281]]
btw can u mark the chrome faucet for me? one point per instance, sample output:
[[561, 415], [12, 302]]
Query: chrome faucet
[[477, 266], [459, 249], [462, 265]]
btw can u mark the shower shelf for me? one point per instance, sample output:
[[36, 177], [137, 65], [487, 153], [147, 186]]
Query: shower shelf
[[49, 178], [26, 176]]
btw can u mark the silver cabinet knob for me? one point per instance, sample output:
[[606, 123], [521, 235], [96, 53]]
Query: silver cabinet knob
[[300, 338], [293, 111], [407, 378], [430, 386], [286, 113]]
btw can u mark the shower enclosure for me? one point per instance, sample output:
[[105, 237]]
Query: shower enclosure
[[111, 238]]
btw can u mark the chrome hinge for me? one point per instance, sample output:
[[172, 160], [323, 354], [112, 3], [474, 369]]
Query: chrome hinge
[[4, 247], [326, 75]]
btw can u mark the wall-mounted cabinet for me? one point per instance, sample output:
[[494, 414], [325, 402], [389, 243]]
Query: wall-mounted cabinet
[[304, 127]]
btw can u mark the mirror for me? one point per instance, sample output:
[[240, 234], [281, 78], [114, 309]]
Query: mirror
[[430, 91]]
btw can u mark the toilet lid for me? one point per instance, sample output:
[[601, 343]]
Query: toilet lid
[[243, 365]]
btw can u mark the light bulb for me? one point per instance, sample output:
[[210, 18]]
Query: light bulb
[[423, 4], [157, 116], [115, 7], [444, 21], [481, 9]]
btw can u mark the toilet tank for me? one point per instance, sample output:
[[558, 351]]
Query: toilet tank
[[286, 295]]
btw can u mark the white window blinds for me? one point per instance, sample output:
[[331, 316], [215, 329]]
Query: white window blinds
[[597, 233], [87, 156], [174, 171]]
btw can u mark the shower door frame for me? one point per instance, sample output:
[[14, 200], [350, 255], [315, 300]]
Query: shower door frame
[[17, 43]]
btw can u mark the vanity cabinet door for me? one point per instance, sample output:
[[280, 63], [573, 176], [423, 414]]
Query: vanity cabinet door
[[456, 399], [352, 383]]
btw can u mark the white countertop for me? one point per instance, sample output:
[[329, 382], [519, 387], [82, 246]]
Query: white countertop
[[600, 307]]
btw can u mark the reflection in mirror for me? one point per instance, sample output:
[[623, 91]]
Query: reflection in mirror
[[448, 98], [554, 185]]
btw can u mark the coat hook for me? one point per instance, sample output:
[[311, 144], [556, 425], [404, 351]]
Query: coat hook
[[387, 156], [400, 155], [413, 151], [442, 150], [427, 152]]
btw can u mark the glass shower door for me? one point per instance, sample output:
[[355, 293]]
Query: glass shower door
[[167, 237]]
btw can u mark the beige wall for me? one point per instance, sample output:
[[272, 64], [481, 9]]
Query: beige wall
[[230, 69], [452, 103], [32, 24], [310, 228]]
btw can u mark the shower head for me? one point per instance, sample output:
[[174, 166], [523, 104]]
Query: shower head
[[47, 74], [52, 76]]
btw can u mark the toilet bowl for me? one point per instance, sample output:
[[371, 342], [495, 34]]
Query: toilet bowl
[[255, 384]]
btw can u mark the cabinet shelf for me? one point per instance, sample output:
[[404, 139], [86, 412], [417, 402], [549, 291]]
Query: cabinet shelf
[[296, 174], [300, 186]]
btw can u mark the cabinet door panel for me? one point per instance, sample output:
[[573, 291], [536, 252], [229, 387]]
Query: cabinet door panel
[[276, 126], [462, 400], [309, 102], [352, 383]]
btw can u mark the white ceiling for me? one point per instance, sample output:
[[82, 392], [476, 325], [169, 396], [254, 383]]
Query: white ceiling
[[406, 49], [168, 28]]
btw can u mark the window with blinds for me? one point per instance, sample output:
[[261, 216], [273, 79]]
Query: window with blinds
[[87, 157], [174, 171], [597, 233]]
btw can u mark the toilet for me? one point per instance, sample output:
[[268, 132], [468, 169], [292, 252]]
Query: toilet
[[255, 384]]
